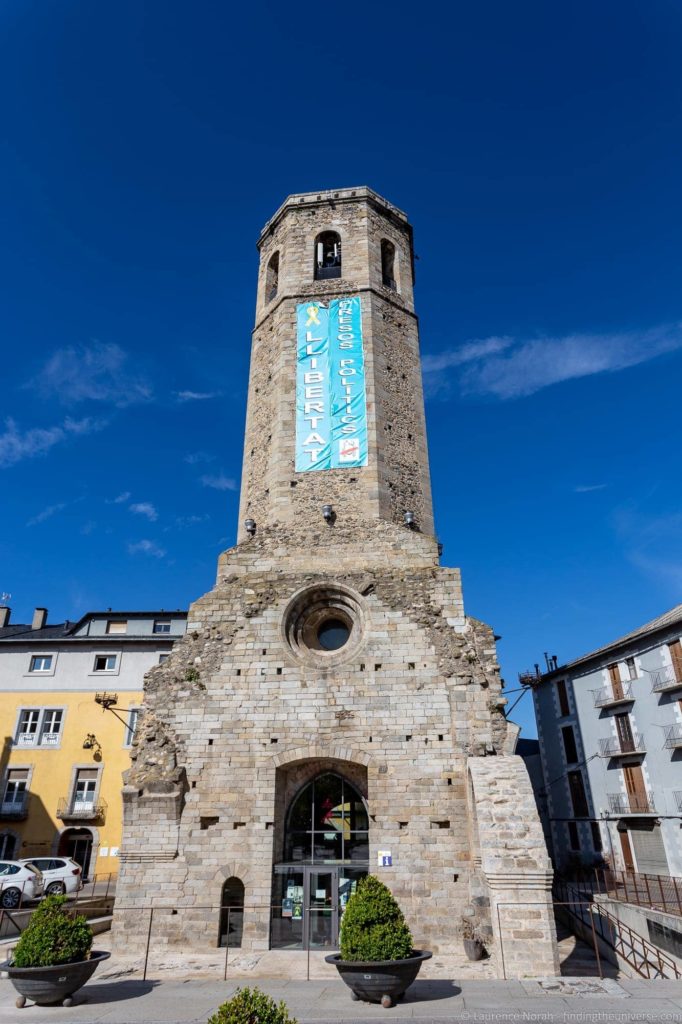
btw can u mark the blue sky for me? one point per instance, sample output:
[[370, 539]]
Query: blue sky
[[536, 149]]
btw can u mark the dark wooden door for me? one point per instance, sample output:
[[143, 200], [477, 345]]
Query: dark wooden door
[[616, 685], [676, 654], [628, 859], [634, 783], [624, 730]]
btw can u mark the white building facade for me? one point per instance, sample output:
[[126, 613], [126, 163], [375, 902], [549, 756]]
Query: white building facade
[[610, 732]]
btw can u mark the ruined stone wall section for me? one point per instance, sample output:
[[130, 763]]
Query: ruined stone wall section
[[233, 697], [515, 867]]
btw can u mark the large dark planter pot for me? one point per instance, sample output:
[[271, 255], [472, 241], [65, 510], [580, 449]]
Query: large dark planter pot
[[47, 986], [379, 981], [474, 949]]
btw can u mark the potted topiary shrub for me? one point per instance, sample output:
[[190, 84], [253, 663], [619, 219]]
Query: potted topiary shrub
[[377, 960], [251, 1006], [53, 957], [473, 946]]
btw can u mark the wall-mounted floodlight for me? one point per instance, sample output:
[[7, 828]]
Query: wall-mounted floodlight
[[328, 513], [408, 519], [250, 526]]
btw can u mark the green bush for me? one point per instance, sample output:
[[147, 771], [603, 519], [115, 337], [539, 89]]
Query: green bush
[[373, 926], [53, 936], [251, 1006]]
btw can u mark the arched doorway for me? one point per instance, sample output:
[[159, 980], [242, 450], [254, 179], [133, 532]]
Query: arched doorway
[[326, 853], [231, 913], [77, 844]]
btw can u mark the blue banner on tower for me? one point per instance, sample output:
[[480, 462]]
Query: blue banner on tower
[[331, 405]]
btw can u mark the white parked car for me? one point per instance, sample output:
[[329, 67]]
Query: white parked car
[[60, 874], [19, 881]]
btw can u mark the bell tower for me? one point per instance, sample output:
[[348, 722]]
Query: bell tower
[[332, 711], [335, 412]]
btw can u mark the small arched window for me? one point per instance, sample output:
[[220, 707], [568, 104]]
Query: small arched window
[[327, 256], [231, 913], [272, 277], [388, 264]]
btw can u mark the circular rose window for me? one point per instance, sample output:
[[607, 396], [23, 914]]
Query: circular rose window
[[324, 622]]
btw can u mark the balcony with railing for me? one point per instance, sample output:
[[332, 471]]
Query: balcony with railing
[[623, 803], [81, 810], [632, 747], [606, 697], [665, 679], [15, 808], [673, 737]]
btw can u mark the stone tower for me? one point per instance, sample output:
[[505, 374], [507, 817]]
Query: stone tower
[[331, 710]]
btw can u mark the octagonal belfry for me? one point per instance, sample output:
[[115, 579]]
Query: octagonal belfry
[[331, 710]]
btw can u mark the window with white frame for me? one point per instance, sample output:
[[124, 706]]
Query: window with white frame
[[631, 668], [51, 726], [84, 789], [41, 663], [39, 727], [105, 663], [162, 625], [14, 797], [133, 716], [117, 626], [27, 732]]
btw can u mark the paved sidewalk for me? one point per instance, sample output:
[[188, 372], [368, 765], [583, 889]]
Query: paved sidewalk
[[554, 1000]]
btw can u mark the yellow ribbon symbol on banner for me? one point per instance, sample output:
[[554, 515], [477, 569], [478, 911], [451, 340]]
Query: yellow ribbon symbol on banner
[[312, 312]]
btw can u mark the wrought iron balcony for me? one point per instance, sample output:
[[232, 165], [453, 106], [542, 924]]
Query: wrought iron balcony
[[81, 810], [611, 747], [607, 698], [664, 679], [621, 803], [15, 809], [673, 737]]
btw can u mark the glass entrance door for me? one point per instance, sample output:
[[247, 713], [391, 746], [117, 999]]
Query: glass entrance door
[[308, 903], [321, 904]]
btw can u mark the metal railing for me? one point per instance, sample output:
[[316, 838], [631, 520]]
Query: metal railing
[[622, 803], [663, 679], [605, 696], [673, 737], [83, 810], [610, 747], [16, 809], [100, 886], [659, 892], [647, 960]]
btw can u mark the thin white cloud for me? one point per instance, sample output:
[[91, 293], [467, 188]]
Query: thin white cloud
[[195, 396], [652, 542], [17, 445], [182, 521], [146, 547], [219, 482], [47, 513], [120, 499], [194, 458], [95, 373], [508, 368], [588, 488], [466, 353], [145, 508]]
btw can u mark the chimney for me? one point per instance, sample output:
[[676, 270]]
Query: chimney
[[39, 618], [5, 613]]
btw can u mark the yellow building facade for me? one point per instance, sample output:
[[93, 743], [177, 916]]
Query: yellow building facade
[[70, 697]]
